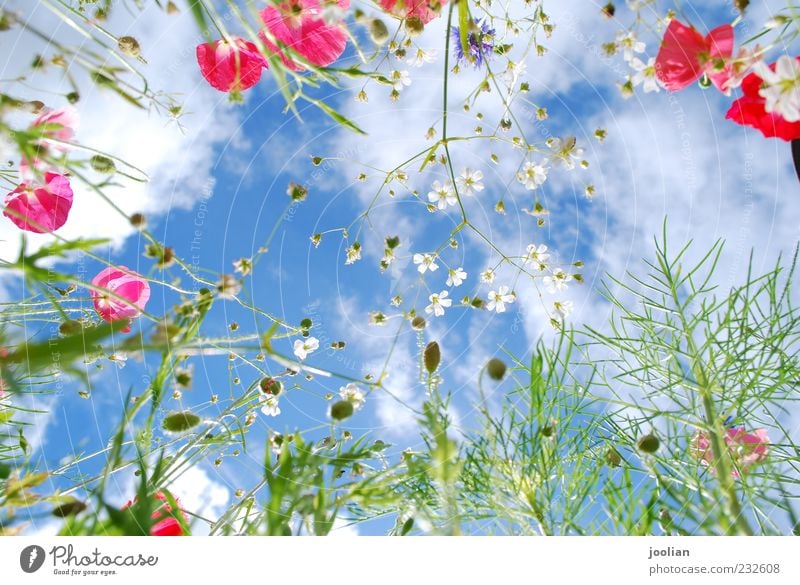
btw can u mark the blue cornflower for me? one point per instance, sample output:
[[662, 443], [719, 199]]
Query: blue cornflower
[[480, 40]]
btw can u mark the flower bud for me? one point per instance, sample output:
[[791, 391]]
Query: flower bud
[[129, 46], [648, 444], [378, 31], [178, 422], [271, 386], [613, 458], [102, 164], [496, 369], [342, 410], [432, 356], [414, 26]]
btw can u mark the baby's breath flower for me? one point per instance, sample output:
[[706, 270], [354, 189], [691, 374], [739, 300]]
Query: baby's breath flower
[[399, 79], [532, 175], [487, 276], [498, 299], [353, 394], [439, 302], [303, 347], [425, 262], [442, 194], [228, 286], [557, 282], [565, 151], [243, 266], [353, 253], [469, 181], [456, 276], [537, 256]]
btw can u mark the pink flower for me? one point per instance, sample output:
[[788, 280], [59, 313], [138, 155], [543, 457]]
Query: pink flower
[[230, 66], [58, 125], [123, 283], [40, 208], [299, 25], [168, 524], [685, 55], [750, 110], [425, 10], [746, 449]]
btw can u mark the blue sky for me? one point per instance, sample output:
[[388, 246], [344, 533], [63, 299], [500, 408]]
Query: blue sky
[[219, 189]]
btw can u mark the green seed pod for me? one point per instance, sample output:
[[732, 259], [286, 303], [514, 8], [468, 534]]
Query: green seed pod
[[129, 46], [102, 164], [648, 444], [613, 458], [178, 422], [496, 368], [69, 508], [418, 323], [271, 386], [342, 410], [378, 31], [432, 356]]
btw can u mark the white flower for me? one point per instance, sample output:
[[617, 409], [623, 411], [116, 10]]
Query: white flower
[[353, 253], [303, 347], [487, 276], [470, 181], [557, 282], [513, 73], [400, 79], [442, 194], [353, 394], [456, 277], [269, 405], [243, 266], [645, 74], [439, 302], [120, 358], [497, 300], [565, 152], [629, 45], [426, 262], [421, 57], [537, 255], [563, 309], [781, 87], [532, 175]]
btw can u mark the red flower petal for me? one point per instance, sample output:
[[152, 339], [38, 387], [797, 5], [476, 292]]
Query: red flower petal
[[298, 24], [230, 66], [678, 61], [750, 110], [720, 43]]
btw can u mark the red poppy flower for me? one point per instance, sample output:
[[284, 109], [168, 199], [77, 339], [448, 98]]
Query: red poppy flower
[[750, 110], [685, 55], [168, 524], [230, 66], [40, 208], [302, 26]]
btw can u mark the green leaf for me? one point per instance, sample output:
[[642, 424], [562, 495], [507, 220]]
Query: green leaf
[[196, 6], [464, 22], [337, 117]]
